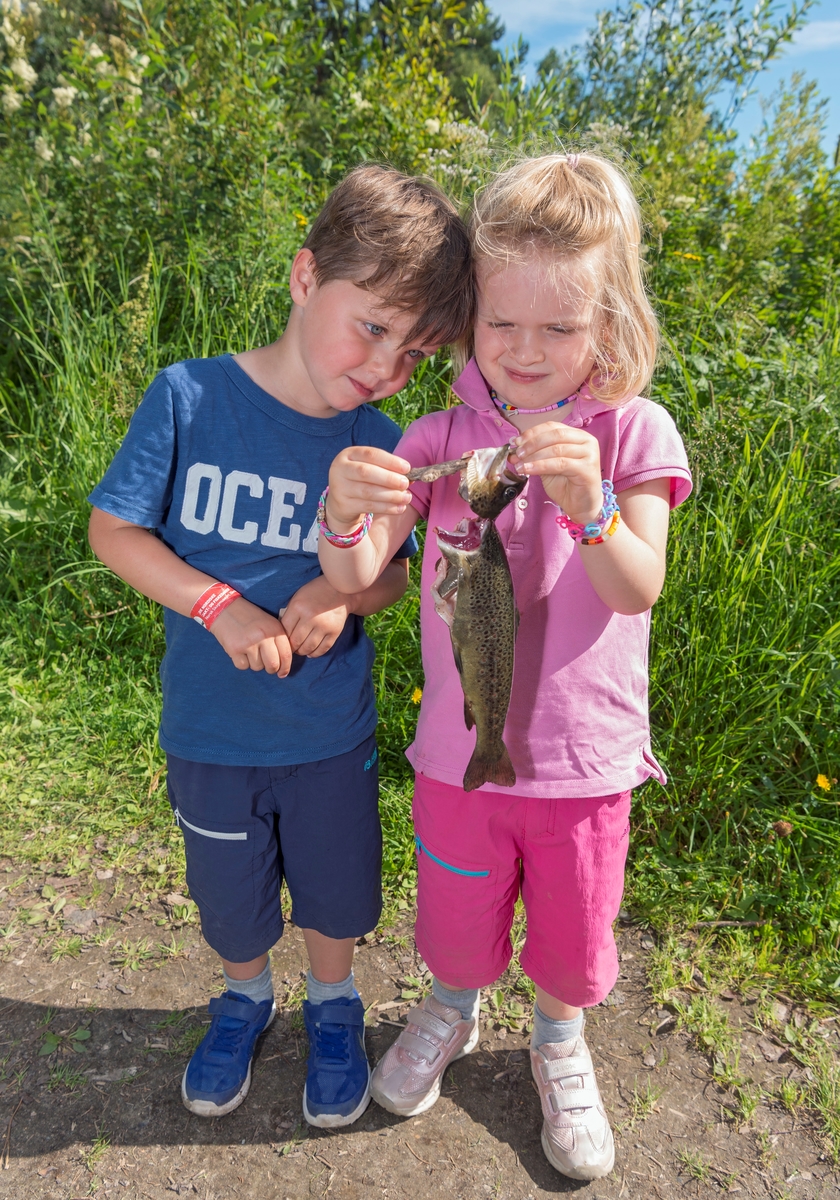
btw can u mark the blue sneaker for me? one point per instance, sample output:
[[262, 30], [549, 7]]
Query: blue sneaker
[[218, 1075], [337, 1088]]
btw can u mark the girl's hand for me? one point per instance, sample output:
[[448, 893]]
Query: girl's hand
[[365, 479], [254, 640], [569, 463], [314, 617]]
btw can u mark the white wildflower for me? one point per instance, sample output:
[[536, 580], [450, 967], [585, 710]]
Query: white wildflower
[[143, 60], [74, 162], [12, 100], [94, 51], [24, 71], [359, 102], [43, 150], [15, 41], [96, 158], [432, 125], [11, 8], [133, 93], [85, 138], [64, 96], [103, 67], [33, 11], [152, 152]]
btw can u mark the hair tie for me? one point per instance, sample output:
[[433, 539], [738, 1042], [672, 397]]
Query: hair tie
[[572, 161]]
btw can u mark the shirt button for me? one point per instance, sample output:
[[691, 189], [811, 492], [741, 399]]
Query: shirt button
[[522, 502], [498, 422], [586, 421]]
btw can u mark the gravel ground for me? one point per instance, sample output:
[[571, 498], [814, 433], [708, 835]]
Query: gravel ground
[[106, 1118]]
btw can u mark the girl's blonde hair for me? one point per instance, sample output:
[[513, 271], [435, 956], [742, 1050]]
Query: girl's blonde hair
[[569, 204]]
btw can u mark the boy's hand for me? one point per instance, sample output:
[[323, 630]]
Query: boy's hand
[[568, 461], [365, 479], [254, 640], [315, 617]]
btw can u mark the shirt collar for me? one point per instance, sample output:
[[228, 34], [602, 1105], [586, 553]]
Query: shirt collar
[[471, 388]]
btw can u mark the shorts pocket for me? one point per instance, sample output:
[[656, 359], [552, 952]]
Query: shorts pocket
[[457, 916], [220, 867]]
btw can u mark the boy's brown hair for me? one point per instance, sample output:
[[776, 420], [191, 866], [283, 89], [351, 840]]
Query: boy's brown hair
[[402, 239]]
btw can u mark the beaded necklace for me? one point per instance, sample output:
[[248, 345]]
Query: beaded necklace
[[511, 408]]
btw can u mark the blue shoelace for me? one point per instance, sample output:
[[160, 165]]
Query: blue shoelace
[[331, 1044], [228, 1036]]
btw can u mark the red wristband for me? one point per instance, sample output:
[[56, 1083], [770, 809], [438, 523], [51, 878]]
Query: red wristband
[[210, 603]]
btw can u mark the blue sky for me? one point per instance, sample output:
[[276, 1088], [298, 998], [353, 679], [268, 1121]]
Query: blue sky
[[816, 50]]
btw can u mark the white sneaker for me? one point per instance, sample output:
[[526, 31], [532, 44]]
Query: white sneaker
[[576, 1134], [407, 1080]]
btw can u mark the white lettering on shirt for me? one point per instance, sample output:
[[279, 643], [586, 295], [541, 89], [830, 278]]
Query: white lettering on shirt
[[311, 543], [233, 482], [280, 510], [189, 517]]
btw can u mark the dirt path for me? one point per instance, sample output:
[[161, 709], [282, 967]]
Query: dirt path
[[107, 1119]]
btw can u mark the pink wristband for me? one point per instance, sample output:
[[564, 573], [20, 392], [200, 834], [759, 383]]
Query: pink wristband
[[212, 602]]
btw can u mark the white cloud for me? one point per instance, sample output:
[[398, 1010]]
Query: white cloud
[[817, 35]]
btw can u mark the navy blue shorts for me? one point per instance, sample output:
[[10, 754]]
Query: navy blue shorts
[[247, 828]]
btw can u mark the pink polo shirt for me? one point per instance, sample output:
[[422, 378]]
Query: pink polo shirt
[[578, 719]]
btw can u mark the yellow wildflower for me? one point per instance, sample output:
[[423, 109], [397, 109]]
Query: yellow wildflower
[[824, 782], [691, 257], [301, 221], [417, 695]]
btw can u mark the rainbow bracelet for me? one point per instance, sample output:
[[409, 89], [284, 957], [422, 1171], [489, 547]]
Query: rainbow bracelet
[[343, 540], [604, 525]]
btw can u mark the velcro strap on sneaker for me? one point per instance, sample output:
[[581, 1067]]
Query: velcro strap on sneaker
[[423, 1019], [241, 1010], [340, 1014], [418, 1046], [565, 1068], [586, 1097]]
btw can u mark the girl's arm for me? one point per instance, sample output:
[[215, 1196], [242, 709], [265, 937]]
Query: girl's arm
[[627, 570], [365, 479]]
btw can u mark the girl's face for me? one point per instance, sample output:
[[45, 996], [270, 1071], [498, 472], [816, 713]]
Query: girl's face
[[536, 329]]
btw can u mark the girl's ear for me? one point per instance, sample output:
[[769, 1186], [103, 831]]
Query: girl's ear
[[303, 282]]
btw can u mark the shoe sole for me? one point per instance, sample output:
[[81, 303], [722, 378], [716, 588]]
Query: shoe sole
[[433, 1093], [335, 1120], [206, 1108], [582, 1172]]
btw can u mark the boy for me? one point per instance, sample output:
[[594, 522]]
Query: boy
[[209, 507]]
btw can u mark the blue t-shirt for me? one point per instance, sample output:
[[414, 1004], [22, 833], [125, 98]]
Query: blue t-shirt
[[229, 478]]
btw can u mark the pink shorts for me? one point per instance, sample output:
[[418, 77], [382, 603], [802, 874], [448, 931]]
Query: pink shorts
[[477, 850]]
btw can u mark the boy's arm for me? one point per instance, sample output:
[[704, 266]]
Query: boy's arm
[[317, 613], [366, 479], [251, 637]]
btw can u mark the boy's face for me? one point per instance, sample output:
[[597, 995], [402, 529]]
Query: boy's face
[[350, 344]]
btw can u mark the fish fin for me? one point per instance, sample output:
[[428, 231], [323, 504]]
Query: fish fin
[[456, 651], [469, 719], [480, 770]]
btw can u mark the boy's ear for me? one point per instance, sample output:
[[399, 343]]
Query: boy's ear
[[302, 280]]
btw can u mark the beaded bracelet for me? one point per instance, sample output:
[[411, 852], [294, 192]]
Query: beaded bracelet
[[342, 540], [604, 524]]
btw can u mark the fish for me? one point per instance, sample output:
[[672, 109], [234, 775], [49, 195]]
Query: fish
[[437, 471], [473, 593]]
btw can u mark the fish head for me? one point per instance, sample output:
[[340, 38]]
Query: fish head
[[461, 547], [488, 484]]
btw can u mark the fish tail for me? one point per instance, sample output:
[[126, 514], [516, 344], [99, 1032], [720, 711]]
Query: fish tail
[[482, 769]]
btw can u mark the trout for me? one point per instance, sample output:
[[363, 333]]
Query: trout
[[473, 592]]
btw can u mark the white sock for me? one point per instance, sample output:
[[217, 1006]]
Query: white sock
[[546, 1030]]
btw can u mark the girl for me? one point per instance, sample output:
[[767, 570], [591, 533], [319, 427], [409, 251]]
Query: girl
[[565, 341]]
